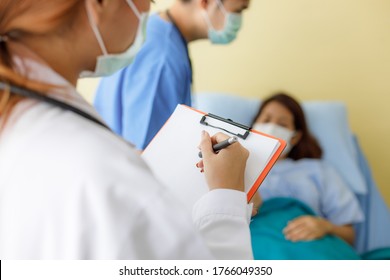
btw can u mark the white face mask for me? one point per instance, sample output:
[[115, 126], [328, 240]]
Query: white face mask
[[230, 29], [108, 64], [278, 132]]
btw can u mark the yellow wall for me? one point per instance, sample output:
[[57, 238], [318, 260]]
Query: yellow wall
[[316, 50]]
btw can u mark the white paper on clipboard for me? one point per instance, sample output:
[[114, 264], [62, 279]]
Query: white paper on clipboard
[[173, 153]]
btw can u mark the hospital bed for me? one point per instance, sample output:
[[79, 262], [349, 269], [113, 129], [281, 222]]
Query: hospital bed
[[328, 122]]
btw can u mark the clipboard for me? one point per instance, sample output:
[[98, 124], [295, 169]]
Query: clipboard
[[173, 153]]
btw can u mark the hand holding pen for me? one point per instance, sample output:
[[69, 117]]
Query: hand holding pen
[[222, 145], [223, 170]]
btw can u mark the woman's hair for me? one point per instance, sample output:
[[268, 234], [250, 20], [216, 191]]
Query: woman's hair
[[22, 18], [307, 147]]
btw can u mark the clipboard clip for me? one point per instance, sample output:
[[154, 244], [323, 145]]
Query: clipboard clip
[[226, 125]]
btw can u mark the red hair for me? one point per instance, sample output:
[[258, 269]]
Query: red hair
[[19, 18]]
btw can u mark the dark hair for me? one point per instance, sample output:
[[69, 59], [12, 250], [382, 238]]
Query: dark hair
[[307, 147]]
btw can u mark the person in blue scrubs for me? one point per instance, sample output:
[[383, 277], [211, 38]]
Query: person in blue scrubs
[[144, 95], [300, 173]]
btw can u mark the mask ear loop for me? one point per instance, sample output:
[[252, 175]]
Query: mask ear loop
[[134, 8], [95, 30], [207, 18], [222, 8], [208, 21]]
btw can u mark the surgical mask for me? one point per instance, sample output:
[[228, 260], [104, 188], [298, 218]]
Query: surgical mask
[[107, 64], [278, 132], [231, 27]]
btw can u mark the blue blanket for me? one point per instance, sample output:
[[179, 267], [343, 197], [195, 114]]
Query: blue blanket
[[268, 241]]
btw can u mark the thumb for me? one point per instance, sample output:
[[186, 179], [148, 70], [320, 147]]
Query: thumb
[[206, 145]]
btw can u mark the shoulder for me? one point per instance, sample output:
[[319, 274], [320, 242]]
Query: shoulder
[[162, 32], [66, 143], [163, 52], [163, 42], [71, 158], [99, 154]]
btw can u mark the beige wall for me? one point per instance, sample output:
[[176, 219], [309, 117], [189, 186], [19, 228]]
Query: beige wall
[[316, 50]]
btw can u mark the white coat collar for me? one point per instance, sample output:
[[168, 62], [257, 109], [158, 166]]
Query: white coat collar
[[34, 68]]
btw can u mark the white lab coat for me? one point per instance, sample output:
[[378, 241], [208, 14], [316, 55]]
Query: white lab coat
[[70, 189]]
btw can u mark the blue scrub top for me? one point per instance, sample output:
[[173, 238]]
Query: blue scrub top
[[138, 100], [318, 185]]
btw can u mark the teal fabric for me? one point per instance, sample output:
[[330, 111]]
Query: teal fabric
[[268, 241], [378, 254]]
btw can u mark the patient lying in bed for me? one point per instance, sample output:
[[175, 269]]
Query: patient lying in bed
[[307, 197]]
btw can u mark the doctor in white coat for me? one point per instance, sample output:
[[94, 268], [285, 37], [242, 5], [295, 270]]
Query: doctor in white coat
[[69, 187]]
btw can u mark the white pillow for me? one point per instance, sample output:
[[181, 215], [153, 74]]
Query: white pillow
[[327, 121]]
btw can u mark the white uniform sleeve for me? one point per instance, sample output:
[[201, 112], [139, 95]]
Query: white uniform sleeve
[[222, 217]]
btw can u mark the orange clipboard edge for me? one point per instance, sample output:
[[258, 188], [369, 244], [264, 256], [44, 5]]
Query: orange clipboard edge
[[269, 166]]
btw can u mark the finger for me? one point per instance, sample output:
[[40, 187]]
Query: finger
[[309, 222], [294, 224], [302, 220], [297, 233], [255, 210], [219, 137], [300, 236], [295, 230], [206, 145], [310, 236]]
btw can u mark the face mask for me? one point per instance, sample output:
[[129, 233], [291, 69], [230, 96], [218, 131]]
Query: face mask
[[278, 132], [231, 27], [108, 64]]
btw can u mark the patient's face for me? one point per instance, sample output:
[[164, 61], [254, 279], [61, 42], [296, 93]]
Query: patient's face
[[276, 113]]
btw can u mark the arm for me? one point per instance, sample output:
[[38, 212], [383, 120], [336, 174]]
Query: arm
[[310, 228], [222, 218], [340, 206], [345, 232], [222, 215]]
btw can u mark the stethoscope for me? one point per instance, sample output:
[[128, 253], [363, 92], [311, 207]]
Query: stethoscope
[[28, 93]]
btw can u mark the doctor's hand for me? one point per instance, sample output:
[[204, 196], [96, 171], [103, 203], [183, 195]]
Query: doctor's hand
[[306, 228], [226, 168], [257, 202]]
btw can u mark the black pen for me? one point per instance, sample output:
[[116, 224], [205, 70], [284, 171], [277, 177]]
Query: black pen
[[222, 145]]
